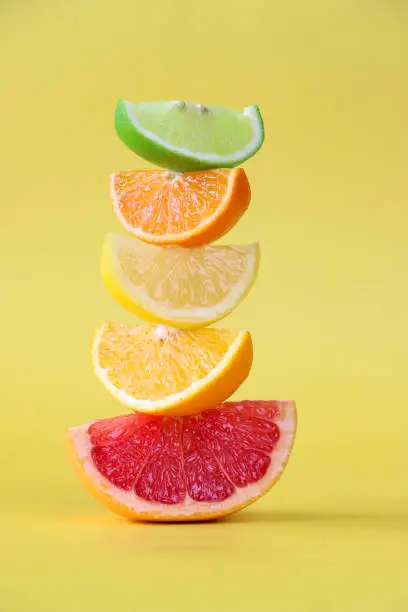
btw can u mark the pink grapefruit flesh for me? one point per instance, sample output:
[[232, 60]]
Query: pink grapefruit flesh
[[187, 468]]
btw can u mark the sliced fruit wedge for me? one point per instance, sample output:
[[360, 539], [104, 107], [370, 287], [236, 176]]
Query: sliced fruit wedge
[[181, 136], [185, 469], [164, 370], [189, 209], [181, 287]]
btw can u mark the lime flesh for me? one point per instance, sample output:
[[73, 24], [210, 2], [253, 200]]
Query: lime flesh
[[182, 136]]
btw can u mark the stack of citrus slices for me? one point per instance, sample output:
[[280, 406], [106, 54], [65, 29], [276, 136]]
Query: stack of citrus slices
[[185, 453]]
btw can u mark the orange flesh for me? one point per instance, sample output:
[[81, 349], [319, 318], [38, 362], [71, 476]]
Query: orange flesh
[[160, 202], [138, 358], [190, 208]]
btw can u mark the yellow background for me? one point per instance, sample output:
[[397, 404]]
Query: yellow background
[[328, 313]]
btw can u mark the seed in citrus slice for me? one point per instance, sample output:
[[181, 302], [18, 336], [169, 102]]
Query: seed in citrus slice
[[163, 370], [190, 209], [181, 136], [182, 287], [185, 469]]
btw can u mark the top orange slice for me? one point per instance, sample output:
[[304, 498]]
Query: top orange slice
[[189, 209]]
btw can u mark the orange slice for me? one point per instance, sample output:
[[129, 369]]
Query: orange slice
[[164, 370], [200, 467], [190, 209]]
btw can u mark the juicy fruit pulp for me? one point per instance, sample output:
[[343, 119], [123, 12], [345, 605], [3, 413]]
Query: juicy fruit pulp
[[183, 287], [182, 136], [185, 468], [191, 209], [156, 369]]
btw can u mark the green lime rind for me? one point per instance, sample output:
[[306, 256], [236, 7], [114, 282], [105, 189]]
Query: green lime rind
[[147, 145]]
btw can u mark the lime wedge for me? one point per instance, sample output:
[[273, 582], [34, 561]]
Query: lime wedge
[[182, 136]]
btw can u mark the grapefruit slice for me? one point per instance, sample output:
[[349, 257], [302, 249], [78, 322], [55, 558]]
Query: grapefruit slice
[[164, 370], [187, 288], [201, 467], [190, 209]]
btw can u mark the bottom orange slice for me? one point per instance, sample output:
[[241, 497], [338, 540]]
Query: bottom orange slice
[[201, 467], [157, 369]]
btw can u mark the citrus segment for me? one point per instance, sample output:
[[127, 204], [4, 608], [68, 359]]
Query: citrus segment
[[189, 468], [181, 136], [189, 209], [158, 369], [182, 287]]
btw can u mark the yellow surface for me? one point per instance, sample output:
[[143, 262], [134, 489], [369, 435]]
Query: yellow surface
[[328, 313]]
